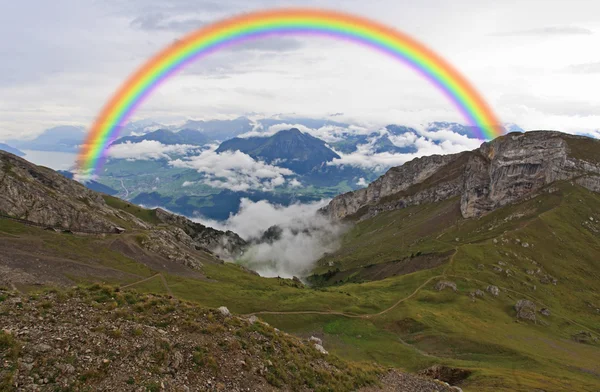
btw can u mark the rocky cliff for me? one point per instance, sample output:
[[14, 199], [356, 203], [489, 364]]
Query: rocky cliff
[[43, 196], [503, 171]]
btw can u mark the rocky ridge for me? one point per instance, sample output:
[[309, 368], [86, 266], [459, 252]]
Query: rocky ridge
[[42, 196], [500, 172], [100, 338]]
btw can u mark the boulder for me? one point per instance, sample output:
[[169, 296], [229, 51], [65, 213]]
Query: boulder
[[525, 309], [495, 291], [224, 311], [321, 349], [316, 340], [444, 284], [545, 312]]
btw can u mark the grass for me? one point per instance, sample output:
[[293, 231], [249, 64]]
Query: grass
[[148, 216], [433, 327]]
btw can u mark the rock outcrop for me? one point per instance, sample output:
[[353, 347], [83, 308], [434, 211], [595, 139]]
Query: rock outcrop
[[503, 171], [525, 309], [40, 195], [226, 244]]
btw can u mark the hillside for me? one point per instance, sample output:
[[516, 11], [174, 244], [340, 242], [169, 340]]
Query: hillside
[[292, 149], [506, 299]]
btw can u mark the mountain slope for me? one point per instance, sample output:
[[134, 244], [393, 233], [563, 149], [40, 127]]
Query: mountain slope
[[291, 149], [498, 173]]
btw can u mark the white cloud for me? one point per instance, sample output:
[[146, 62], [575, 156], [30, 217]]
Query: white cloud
[[294, 183], [428, 143], [188, 183], [234, 170], [306, 236], [147, 150], [362, 182]]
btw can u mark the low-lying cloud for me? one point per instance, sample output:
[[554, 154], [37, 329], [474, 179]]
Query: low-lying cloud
[[426, 143], [234, 170], [147, 150], [305, 236]]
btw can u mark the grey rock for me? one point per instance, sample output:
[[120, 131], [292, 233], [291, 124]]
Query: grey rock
[[545, 312], [316, 340], [444, 284], [525, 309], [321, 349], [224, 311], [495, 291]]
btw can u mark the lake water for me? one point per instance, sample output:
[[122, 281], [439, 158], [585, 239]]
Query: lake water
[[51, 159]]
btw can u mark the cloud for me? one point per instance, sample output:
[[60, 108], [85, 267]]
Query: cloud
[[362, 182], [294, 183], [427, 143], [546, 31], [153, 22], [587, 68], [327, 133], [147, 150], [305, 236], [234, 170]]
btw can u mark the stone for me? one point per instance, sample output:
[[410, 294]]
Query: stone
[[525, 309], [495, 291], [252, 319], [545, 312], [321, 349], [477, 293], [444, 284], [497, 269], [224, 311], [316, 340]]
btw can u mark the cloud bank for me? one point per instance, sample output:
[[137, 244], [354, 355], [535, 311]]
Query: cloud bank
[[147, 150], [234, 170], [305, 236]]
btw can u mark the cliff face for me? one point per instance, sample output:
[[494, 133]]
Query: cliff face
[[43, 196], [503, 171], [40, 195]]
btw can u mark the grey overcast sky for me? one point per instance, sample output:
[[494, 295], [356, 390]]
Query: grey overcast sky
[[536, 61]]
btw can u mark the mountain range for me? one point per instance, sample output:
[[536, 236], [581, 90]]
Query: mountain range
[[479, 269]]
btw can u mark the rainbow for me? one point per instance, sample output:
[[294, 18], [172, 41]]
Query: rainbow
[[282, 22]]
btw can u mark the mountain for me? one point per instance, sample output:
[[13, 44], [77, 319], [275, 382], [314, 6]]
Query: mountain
[[97, 293], [64, 138], [479, 269], [498, 173], [164, 136], [500, 249], [49, 199], [291, 149], [12, 150]]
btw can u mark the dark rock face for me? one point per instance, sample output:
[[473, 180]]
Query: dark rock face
[[503, 171], [226, 244]]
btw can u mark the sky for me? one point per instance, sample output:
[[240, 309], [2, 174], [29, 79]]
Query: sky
[[536, 62]]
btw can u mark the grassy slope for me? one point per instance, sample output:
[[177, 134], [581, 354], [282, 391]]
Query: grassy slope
[[444, 327]]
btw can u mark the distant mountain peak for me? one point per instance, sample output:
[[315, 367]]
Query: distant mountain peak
[[295, 150]]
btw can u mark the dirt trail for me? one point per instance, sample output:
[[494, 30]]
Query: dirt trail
[[353, 315], [162, 279]]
